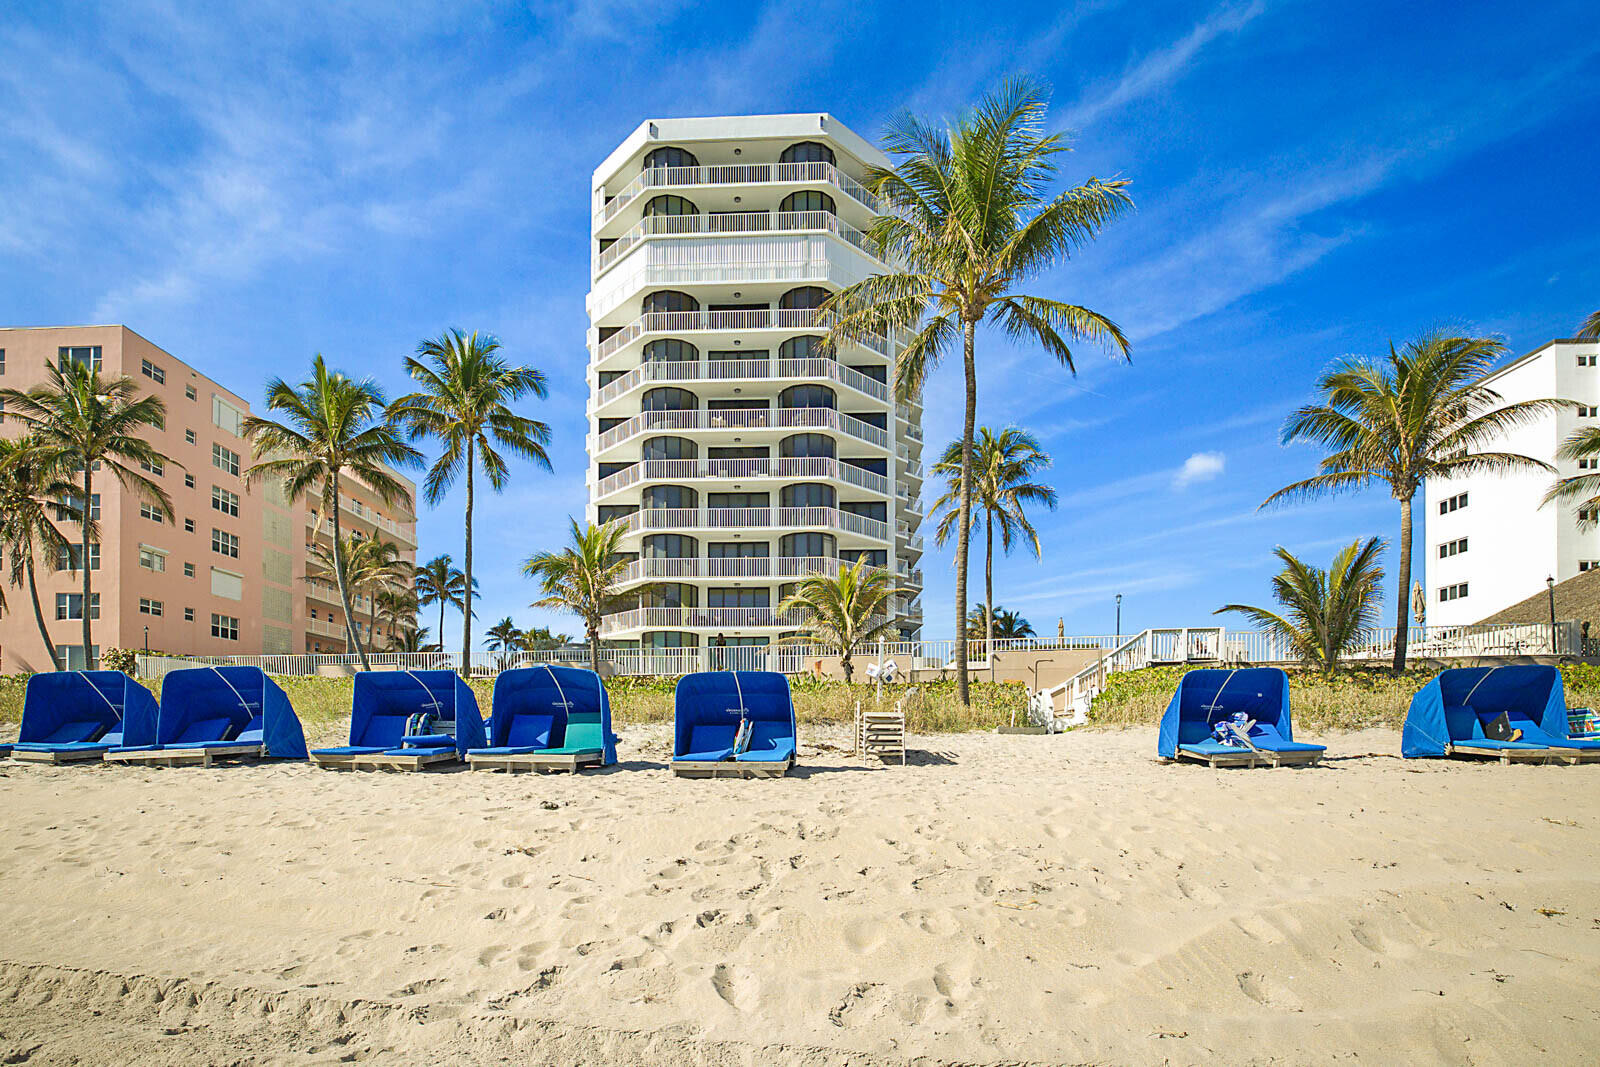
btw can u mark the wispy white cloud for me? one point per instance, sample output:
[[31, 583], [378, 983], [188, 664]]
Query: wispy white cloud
[[1200, 467], [1161, 67]]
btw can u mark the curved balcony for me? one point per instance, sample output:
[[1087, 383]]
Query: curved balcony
[[737, 222], [784, 568], [736, 174], [653, 422], [782, 519], [687, 322], [811, 468], [694, 619], [750, 260], [742, 370]]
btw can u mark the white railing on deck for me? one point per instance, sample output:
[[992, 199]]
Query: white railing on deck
[[729, 223], [807, 467], [724, 370], [735, 174]]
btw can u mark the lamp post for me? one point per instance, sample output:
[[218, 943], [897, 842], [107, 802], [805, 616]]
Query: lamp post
[[1119, 614], [147, 640], [1550, 590]]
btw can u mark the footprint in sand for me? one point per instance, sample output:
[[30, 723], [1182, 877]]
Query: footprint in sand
[[863, 935], [1268, 993], [734, 987]]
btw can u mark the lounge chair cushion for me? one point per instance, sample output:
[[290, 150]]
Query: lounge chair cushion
[[1462, 722], [1484, 742], [1266, 737], [1214, 748], [770, 742], [68, 732], [61, 746], [218, 729], [583, 738], [428, 741], [348, 750], [530, 731], [505, 750], [709, 743]]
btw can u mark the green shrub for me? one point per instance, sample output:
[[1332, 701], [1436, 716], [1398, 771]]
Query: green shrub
[[125, 660]]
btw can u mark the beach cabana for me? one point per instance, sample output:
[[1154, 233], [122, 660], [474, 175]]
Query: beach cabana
[[81, 715], [547, 718], [215, 713], [1448, 717], [385, 702], [709, 709], [1208, 697]]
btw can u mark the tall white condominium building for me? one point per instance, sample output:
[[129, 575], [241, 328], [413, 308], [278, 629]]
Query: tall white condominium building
[[1489, 542], [739, 455]]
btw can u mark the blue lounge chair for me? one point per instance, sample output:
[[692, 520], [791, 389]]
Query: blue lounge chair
[[547, 718], [214, 713], [81, 715], [1448, 716], [383, 703], [708, 710], [1208, 697]]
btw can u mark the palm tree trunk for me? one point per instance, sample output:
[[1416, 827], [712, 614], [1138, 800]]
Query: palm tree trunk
[[351, 640], [969, 330], [988, 586], [88, 594], [1403, 601], [849, 667], [466, 594], [372, 621], [442, 603], [594, 648], [38, 612]]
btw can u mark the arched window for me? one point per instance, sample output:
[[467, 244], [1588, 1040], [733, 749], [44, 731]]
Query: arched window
[[806, 396], [669, 300], [806, 495], [670, 205], [802, 445], [670, 350], [807, 152], [807, 297], [670, 448], [670, 546], [670, 496], [668, 399], [669, 639], [805, 347], [668, 156], [808, 546], [804, 200]]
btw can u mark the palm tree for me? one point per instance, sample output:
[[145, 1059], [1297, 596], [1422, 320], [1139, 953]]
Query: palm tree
[[1423, 412], [504, 637], [1324, 612], [397, 607], [333, 427], [969, 219], [438, 582], [413, 639], [465, 401], [77, 421], [843, 610], [1590, 330], [1007, 625], [1002, 465], [583, 578], [28, 493], [369, 565], [542, 639]]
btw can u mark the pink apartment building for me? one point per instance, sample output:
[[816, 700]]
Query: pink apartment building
[[226, 573]]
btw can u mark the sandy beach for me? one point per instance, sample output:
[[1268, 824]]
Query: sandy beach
[[1001, 900]]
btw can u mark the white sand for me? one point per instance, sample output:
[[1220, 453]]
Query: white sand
[[1002, 900]]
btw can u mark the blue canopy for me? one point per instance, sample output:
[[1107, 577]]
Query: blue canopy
[[228, 705], [533, 706], [384, 700], [67, 707], [1205, 697], [1456, 704], [708, 707]]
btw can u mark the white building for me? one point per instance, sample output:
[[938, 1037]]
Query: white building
[[738, 455], [1489, 543]]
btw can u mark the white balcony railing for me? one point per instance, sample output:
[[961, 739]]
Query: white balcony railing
[[741, 222], [757, 419], [696, 618], [681, 322], [676, 470], [738, 174], [648, 519], [722, 370], [743, 567]]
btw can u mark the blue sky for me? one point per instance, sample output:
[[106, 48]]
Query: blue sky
[[246, 188]]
